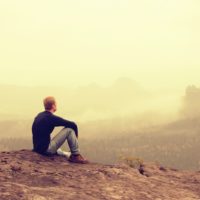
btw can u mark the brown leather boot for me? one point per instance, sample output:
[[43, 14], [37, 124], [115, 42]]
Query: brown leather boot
[[77, 159]]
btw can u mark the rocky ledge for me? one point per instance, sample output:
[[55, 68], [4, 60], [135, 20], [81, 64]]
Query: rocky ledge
[[26, 175]]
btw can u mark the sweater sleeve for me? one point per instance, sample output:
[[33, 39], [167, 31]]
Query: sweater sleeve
[[59, 121]]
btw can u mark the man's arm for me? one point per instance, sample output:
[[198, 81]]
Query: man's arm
[[59, 121]]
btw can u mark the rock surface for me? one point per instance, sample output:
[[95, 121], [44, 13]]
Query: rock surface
[[26, 175]]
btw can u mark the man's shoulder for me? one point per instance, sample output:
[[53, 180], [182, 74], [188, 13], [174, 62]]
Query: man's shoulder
[[41, 115]]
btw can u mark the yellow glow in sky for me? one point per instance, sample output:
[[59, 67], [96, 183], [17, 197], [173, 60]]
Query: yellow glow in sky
[[48, 42]]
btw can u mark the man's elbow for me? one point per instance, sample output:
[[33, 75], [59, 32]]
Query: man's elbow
[[75, 127]]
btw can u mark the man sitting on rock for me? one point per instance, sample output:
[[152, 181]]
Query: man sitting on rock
[[42, 127]]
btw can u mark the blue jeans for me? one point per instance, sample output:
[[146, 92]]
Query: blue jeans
[[65, 134]]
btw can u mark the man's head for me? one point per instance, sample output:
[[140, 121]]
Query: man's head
[[50, 104]]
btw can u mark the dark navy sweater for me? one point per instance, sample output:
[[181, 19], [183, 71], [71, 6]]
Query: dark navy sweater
[[42, 127]]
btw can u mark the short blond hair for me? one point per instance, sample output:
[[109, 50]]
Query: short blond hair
[[49, 102]]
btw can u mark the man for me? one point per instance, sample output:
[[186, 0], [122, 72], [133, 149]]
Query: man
[[42, 127]]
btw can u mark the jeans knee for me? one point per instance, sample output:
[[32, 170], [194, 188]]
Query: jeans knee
[[64, 133], [69, 131]]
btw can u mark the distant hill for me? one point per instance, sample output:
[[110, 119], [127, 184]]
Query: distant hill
[[89, 102]]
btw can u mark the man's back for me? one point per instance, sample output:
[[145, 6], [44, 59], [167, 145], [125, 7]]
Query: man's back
[[41, 130]]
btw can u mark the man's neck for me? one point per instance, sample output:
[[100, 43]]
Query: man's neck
[[50, 111]]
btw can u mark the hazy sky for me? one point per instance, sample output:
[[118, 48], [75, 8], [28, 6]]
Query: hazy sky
[[65, 42]]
